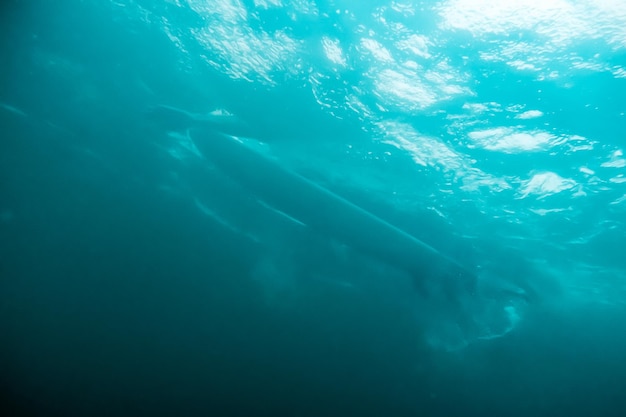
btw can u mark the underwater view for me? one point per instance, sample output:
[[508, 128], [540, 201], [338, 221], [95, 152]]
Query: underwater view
[[313, 208]]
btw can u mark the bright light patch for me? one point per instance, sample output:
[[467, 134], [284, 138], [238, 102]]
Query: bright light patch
[[508, 140], [236, 49], [555, 17], [405, 8], [333, 51], [545, 184], [228, 11], [248, 55], [424, 150], [266, 4], [543, 212], [618, 180], [377, 50], [619, 200], [415, 44], [479, 108], [616, 161], [556, 27], [475, 179], [530, 114], [403, 90]]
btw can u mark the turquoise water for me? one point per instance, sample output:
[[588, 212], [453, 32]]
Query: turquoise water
[[308, 208]]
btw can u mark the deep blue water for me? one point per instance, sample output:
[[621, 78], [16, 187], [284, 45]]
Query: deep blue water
[[144, 272]]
